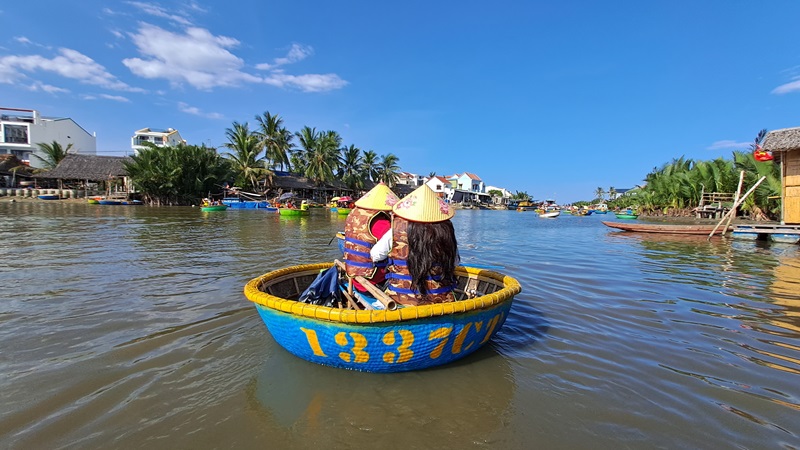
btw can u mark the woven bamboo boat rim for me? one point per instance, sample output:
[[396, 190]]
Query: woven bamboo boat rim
[[253, 293]]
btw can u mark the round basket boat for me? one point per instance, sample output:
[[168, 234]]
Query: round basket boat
[[292, 212], [409, 338]]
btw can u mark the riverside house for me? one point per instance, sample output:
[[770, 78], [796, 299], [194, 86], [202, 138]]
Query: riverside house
[[785, 147]]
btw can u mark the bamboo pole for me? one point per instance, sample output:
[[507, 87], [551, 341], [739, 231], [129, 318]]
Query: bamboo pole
[[387, 301], [736, 205], [735, 199]]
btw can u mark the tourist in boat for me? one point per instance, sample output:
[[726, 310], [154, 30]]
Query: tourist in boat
[[424, 250], [368, 222]]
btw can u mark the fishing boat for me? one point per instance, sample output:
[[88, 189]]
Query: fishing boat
[[549, 214], [49, 197], [94, 200], [210, 208], [403, 339], [106, 201], [666, 228], [627, 214], [292, 212], [582, 212]]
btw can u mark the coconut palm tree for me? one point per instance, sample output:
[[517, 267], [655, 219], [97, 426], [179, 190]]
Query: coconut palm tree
[[612, 193], [369, 165], [599, 193], [388, 168], [245, 151], [53, 153], [350, 167], [274, 139], [320, 154]]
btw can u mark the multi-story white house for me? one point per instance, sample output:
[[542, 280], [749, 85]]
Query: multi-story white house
[[467, 182], [440, 186], [22, 129], [410, 179], [160, 138]]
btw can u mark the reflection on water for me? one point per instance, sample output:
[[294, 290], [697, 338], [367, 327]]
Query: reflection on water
[[126, 327]]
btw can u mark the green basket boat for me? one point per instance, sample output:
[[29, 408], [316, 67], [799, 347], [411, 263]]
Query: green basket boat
[[290, 212], [409, 338], [214, 208]]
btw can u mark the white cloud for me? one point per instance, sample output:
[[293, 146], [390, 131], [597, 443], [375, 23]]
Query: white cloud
[[787, 88], [307, 83], [23, 40], [296, 53], [116, 98], [69, 64], [196, 111], [728, 144], [50, 89], [160, 12], [196, 57]]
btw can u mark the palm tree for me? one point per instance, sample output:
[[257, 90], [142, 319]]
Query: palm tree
[[612, 193], [369, 165], [350, 167], [320, 154], [388, 168], [244, 155], [274, 139], [53, 153], [599, 192]]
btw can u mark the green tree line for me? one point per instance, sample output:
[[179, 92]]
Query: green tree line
[[186, 173], [679, 185]]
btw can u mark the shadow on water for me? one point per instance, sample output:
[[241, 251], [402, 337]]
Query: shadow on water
[[454, 406]]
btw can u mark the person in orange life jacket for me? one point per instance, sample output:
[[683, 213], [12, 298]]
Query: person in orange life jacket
[[367, 222], [424, 250]]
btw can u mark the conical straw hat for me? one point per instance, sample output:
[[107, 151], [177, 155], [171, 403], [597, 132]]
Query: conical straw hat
[[379, 198], [423, 205]]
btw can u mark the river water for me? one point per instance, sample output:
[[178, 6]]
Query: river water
[[126, 327]]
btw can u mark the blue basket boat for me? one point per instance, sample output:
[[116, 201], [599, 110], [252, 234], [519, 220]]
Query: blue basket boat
[[409, 338]]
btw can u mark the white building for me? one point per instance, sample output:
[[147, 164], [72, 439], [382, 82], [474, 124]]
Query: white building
[[410, 179], [160, 138], [440, 186], [22, 129]]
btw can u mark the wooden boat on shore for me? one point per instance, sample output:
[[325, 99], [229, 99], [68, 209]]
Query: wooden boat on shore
[[666, 228], [409, 338]]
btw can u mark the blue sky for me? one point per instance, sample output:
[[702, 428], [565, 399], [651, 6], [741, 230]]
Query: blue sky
[[553, 98]]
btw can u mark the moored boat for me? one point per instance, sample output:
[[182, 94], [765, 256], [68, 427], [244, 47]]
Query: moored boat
[[292, 212], [49, 197], [409, 338], [627, 214], [698, 229], [106, 201], [549, 214], [211, 208]]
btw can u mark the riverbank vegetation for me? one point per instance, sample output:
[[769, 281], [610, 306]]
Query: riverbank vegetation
[[182, 175], [676, 187]]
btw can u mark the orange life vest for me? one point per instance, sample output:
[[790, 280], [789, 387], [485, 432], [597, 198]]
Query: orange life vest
[[358, 241], [400, 287]]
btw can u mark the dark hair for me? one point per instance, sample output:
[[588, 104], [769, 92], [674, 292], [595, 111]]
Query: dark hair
[[432, 249]]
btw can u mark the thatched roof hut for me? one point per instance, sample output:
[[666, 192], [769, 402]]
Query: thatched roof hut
[[785, 144], [87, 167], [782, 140]]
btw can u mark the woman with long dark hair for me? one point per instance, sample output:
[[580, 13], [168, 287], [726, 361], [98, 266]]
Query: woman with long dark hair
[[424, 250]]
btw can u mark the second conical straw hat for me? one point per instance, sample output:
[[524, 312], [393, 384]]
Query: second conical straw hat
[[423, 205], [379, 198]]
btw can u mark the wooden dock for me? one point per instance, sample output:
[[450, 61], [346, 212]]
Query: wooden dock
[[789, 234]]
